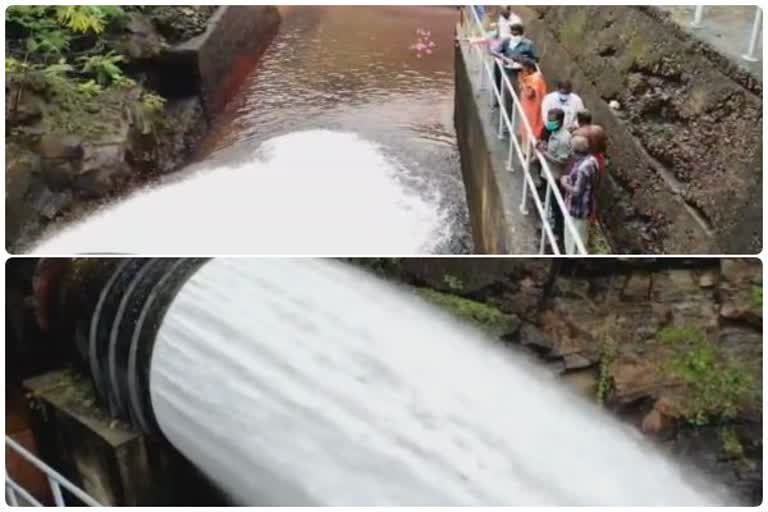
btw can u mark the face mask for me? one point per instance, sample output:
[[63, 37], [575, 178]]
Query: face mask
[[515, 40], [563, 97], [553, 125]]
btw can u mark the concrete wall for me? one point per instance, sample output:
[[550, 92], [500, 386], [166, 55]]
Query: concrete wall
[[114, 464], [233, 43], [686, 146], [493, 193]]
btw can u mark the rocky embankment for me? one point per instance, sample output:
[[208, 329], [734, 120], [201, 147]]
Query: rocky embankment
[[673, 347], [125, 100], [61, 160]]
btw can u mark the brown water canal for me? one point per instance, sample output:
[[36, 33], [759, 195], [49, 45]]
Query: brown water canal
[[340, 140]]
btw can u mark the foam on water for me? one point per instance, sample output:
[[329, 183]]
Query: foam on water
[[316, 191], [308, 382]]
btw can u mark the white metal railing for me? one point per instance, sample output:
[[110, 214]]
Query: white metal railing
[[751, 54], [14, 491], [523, 151]]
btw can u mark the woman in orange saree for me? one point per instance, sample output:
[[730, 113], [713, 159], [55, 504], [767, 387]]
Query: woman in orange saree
[[533, 88]]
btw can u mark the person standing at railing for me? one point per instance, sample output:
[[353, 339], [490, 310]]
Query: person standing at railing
[[533, 88], [578, 192], [565, 99], [505, 21], [598, 146], [513, 51], [556, 149]]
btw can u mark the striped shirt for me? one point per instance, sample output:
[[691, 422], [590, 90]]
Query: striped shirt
[[580, 178]]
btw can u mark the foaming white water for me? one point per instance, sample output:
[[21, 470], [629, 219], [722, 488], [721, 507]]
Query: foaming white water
[[318, 192], [306, 382]]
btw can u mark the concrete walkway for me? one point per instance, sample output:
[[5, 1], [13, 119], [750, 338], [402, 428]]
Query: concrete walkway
[[726, 28], [521, 231]]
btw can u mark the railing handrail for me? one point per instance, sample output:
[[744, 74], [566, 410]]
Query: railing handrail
[[54, 478], [531, 143]]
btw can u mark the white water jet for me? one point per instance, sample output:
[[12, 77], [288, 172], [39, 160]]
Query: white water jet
[[317, 192], [308, 382]]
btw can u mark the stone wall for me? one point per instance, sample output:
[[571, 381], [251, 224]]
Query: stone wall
[[685, 155]]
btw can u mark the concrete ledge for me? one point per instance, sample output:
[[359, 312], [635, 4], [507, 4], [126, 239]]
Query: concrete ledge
[[493, 193], [115, 465], [226, 52]]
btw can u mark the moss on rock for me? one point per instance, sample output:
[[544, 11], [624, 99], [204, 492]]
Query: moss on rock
[[484, 316]]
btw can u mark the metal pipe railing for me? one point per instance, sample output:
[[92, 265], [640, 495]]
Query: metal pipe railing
[[55, 480], [524, 154], [751, 56]]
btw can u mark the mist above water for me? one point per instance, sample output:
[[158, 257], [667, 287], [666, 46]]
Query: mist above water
[[308, 382]]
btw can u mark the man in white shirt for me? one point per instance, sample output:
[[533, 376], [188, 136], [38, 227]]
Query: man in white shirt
[[565, 99], [506, 19]]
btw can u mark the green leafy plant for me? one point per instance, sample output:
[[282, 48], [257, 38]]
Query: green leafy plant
[[717, 385], [103, 67], [757, 297], [152, 103], [86, 18]]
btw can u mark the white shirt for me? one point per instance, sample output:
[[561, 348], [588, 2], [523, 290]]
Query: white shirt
[[503, 24], [571, 106]]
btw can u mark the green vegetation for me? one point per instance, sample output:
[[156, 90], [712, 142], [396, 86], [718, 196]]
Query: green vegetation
[[453, 282], [731, 444], [757, 297], [718, 386], [63, 53], [608, 351], [598, 242], [486, 317]]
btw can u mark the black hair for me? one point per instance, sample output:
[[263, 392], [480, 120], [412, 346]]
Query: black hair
[[529, 64], [564, 84], [584, 117], [558, 112], [517, 28]]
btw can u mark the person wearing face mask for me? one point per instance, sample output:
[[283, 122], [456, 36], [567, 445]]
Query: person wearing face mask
[[556, 149], [564, 98], [512, 51], [578, 187]]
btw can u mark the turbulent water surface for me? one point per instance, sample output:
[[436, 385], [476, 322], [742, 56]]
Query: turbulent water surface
[[339, 141], [308, 382]]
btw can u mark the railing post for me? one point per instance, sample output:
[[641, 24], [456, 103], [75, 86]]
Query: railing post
[[58, 498], [698, 16], [510, 165], [526, 171], [547, 210], [753, 39], [502, 109]]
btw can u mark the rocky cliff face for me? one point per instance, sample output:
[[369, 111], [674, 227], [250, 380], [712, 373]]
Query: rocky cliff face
[[685, 154], [673, 347]]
